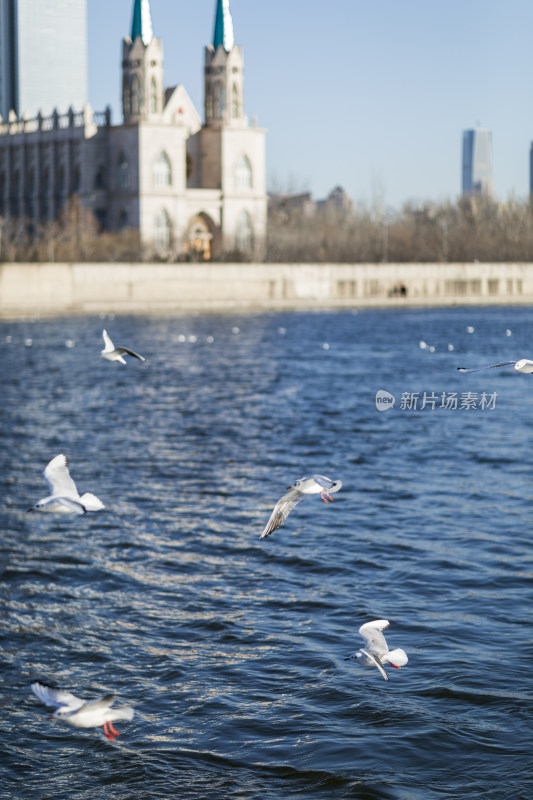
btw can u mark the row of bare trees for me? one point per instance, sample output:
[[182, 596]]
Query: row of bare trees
[[472, 229], [74, 237]]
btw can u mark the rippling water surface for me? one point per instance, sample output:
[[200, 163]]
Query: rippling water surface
[[231, 649]]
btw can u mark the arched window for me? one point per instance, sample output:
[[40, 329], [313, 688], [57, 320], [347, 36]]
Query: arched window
[[209, 103], [189, 166], [244, 238], [14, 199], [243, 173], [100, 178], [45, 181], [136, 97], [153, 96], [43, 194], [60, 188], [30, 182], [162, 171], [122, 223], [216, 100], [235, 105], [126, 96], [219, 100], [75, 181], [123, 172], [28, 194], [60, 180], [162, 231]]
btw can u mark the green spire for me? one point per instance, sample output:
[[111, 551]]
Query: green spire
[[141, 24], [223, 26]]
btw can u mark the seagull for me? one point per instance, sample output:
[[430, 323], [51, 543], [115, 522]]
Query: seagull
[[80, 713], [112, 353], [376, 652], [318, 484], [64, 496], [523, 365]]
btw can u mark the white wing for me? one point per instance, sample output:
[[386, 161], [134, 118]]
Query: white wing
[[91, 502], [100, 703], [124, 712], [109, 346], [398, 658], [68, 502], [327, 483], [57, 698], [58, 477], [281, 511], [372, 657], [374, 639]]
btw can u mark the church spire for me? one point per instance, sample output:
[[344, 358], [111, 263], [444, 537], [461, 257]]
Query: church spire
[[141, 24], [142, 69], [223, 33], [224, 75]]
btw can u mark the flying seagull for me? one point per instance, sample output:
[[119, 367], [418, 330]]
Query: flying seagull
[[80, 713], [112, 353], [524, 365], [64, 497], [318, 484], [376, 652]]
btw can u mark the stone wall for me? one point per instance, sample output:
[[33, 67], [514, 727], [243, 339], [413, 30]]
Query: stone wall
[[29, 289]]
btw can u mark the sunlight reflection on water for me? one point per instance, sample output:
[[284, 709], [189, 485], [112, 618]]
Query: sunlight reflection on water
[[230, 648]]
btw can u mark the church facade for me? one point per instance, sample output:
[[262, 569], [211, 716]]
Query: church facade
[[193, 189]]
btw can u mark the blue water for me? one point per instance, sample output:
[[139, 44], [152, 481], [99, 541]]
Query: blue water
[[231, 648]]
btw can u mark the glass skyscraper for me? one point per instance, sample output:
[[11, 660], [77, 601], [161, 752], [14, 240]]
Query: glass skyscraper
[[477, 162], [43, 56]]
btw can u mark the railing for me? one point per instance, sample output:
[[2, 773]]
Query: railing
[[55, 121]]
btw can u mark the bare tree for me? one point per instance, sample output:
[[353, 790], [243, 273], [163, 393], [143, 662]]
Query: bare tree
[[471, 229]]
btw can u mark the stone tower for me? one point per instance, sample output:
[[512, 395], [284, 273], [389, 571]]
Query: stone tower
[[142, 69], [228, 152], [224, 74]]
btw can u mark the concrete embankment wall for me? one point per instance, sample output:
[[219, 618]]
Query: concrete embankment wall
[[49, 289]]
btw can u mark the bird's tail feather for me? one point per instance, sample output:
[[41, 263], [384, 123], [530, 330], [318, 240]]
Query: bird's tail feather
[[398, 657]]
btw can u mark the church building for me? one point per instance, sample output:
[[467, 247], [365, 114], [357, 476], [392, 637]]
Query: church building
[[192, 189]]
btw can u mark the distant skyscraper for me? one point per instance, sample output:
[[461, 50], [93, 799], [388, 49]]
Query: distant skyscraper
[[477, 162], [43, 55]]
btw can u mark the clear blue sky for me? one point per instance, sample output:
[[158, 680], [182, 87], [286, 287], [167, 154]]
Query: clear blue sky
[[369, 94]]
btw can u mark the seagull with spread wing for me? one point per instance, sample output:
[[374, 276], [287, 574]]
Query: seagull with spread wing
[[64, 496], [112, 353], [523, 365], [80, 713], [375, 653], [318, 484]]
